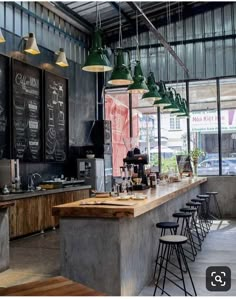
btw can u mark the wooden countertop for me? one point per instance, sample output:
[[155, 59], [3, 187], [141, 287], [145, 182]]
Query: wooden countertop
[[6, 204], [155, 198], [15, 196]]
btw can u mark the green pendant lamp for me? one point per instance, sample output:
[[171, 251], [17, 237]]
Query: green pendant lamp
[[121, 73], [164, 101], [97, 60], [179, 104], [173, 104], [138, 86], [185, 110], [153, 93]]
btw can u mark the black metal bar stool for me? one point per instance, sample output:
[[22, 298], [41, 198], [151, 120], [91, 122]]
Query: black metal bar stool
[[164, 226], [214, 199], [193, 226], [202, 213], [197, 205], [185, 231], [168, 243], [206, 209]]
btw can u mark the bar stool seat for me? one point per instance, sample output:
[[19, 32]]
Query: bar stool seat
[[212, 192], [198, 200], [167, 225], [206, 196], [168, 239], [193, 204], [173, 243], [182, 215], [188, 210]]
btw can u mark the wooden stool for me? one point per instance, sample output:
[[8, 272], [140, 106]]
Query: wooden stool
[[55, 286]]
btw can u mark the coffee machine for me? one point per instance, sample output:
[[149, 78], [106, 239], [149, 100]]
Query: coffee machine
[[138, 162]]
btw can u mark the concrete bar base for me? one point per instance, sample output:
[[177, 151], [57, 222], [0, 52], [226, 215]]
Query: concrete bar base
[[4, 239], [115, 256]]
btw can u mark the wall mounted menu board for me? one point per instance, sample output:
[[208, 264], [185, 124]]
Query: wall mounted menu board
[[26, 112], [4, 107], [184, 163], [56, 142]]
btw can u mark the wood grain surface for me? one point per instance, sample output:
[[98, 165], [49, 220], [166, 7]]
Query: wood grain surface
[[56, 286], [6, 204], [155, 198], [34, 214]]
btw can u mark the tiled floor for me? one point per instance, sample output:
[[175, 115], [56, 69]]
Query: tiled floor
[[37, 257]]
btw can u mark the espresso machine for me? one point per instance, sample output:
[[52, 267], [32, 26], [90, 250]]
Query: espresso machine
[[136, 163]]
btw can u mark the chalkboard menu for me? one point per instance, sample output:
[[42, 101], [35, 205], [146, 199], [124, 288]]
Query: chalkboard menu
[[184, 164], [56, 142], [4, 107], [26, 113]]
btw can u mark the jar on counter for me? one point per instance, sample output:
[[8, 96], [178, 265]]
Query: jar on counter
[[153, 180]]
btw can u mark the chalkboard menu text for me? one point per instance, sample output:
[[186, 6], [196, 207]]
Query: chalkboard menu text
[[26, 114], [55, 118], [184, 163]]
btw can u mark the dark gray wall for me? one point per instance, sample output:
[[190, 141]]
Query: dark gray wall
[[81, 99]]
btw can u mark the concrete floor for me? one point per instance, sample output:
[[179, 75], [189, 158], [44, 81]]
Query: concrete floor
[[37, 257]]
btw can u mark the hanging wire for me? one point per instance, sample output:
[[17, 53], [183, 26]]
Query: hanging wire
[[149, 53], [98, 16], [137, 39], [120, 28]]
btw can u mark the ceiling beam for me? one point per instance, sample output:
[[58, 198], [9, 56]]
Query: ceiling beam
[[125, 16], [155, 31], [162, 20], [64, 8]]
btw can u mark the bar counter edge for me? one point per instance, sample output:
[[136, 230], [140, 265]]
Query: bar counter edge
[[117, 255]]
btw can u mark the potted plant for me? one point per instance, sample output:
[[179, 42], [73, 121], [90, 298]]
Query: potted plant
[[195, 154]]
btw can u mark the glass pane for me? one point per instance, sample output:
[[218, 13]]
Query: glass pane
[[144, 116], [117, 110], [204, 125], [228, 125], [173, 134]]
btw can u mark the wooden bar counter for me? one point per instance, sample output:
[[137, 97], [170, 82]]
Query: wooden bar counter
[[113, 248]]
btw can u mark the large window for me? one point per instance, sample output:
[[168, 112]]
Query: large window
[[147, 134], [205, 99], [173, 134], [228, 125], [204, 124], [117, 110]]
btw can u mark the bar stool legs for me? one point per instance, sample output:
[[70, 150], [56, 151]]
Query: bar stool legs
[[172, 227], [214, 199], [168, 243]]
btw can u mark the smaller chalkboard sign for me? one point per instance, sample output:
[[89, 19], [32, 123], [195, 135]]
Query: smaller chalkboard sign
[[184, 164], [56, 135]]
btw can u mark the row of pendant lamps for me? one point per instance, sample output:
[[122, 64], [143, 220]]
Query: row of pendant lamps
[[31, 47], [97, 61]]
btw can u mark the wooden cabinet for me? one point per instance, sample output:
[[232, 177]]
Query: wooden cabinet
[[29, 215]]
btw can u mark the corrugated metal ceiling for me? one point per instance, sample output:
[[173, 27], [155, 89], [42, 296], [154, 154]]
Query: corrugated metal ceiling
[[160, 13]]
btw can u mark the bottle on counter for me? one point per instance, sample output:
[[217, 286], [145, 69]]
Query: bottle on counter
[[123, 185], [5, 190], [153, 180]]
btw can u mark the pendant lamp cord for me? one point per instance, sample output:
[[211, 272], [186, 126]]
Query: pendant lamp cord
[[137, 39], [120, 28], [98, 17]]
